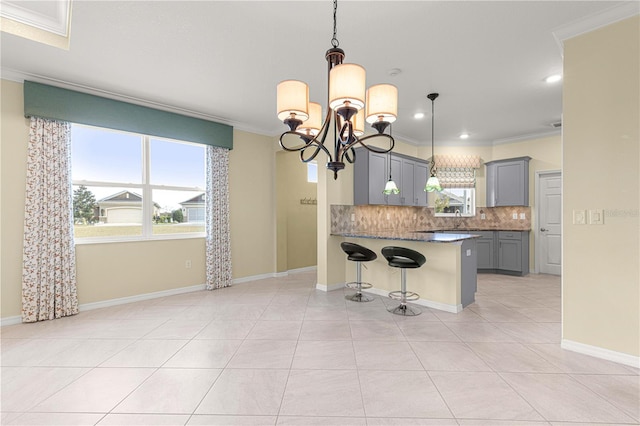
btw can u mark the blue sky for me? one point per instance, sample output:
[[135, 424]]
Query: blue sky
[[104, 155]]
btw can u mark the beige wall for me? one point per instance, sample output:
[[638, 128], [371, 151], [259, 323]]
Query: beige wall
[[601, 277], [116, 270], [297, 223]]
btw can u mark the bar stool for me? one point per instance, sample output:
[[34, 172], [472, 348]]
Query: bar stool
[[357, 253], [404, 258]]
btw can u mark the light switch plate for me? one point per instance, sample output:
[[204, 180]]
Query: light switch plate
[[596, 217], [579, 217], [353, 217]]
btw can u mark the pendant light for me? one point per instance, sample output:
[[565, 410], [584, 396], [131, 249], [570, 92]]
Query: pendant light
[[390, 187], [433, 184]]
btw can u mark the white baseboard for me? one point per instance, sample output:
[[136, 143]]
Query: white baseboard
[[10, 320], [140, 297], [331, 287], [602, 353], [274, 274]]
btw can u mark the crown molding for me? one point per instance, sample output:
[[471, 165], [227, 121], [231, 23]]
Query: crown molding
[[20, 77], [528, 137], [595, 21], [56, 20]]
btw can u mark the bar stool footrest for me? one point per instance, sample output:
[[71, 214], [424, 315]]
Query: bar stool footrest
[[355, 285], [408, 296]]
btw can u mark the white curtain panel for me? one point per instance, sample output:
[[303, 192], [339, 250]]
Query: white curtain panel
[[49, 268], [218, 240]]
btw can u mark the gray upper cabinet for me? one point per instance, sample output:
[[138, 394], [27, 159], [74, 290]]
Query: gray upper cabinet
[[371, 172], [508, 182], [369, 176]]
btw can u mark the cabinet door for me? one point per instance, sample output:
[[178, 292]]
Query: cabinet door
[[406, 188], [378, 175], [420, 176], [510, 184], [510, 255], [485, 249]]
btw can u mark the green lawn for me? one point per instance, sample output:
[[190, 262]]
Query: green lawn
[[92, 231]]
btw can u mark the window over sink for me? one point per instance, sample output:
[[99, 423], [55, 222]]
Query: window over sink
[[455, 202]]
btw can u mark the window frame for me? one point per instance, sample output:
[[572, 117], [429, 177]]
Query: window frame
[[472, 207], [147, 190]]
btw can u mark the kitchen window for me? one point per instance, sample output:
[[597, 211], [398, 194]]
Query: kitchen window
[[128, 186], [456, 202]]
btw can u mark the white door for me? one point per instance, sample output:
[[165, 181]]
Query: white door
[[550, 223]]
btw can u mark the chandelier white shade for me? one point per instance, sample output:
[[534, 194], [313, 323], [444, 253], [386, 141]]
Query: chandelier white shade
[[347, 86], [313, 124], [293, 100], [382, 103]]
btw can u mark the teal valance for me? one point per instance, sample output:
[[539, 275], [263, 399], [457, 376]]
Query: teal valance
[[41, 100]]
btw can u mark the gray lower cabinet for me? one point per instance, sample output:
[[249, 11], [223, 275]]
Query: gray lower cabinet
[[508, 182], [371, 172], [486, 250], [503, 252]]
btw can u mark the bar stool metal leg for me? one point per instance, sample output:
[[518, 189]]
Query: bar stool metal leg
[[403, 296], [358, 285]]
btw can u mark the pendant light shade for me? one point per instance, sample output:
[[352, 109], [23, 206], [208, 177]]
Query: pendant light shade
[[358, 123], [433, 184], [391, 188]]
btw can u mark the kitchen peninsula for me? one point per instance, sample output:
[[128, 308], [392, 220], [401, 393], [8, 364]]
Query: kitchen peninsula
[[447, 281]]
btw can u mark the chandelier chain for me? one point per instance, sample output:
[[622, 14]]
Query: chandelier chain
[[334, 39]]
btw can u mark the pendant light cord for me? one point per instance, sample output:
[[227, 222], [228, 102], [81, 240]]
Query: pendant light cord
[[334, 39]]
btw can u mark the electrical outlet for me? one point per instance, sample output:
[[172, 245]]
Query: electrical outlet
[[483, 216], [187, 264], [353, 217], [596, 217], [388, 216], [468, 252], [515, 216], [523, 216], [579, 217]]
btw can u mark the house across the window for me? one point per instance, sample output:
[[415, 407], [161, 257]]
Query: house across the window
[[193, 209], [129, 186]]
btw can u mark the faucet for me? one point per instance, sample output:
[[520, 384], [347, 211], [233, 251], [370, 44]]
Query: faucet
[[458, 222]]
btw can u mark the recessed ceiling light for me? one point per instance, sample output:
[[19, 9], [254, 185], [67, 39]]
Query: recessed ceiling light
[[553, 78], [464, 136], [418, 115]]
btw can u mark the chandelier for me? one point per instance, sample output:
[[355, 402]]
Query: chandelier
[[346, 112]]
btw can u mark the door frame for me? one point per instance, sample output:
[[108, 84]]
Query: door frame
[[539, 175]]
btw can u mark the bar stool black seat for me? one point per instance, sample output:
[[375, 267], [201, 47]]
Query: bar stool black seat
[[357, 253], [404, 258]]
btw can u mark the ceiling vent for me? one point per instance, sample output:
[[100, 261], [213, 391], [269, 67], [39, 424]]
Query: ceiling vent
[[556, 125]]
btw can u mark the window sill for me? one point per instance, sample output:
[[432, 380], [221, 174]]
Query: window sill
[[107, 240]]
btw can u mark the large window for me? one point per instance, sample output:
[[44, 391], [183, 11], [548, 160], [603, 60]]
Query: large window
[[129, 187]]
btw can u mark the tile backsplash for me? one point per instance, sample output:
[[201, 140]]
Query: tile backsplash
[[372, 218]]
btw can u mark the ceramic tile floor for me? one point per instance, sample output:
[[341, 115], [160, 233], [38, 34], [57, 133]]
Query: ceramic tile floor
[[279, 352]]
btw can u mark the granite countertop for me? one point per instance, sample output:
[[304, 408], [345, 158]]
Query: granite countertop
[[428, 237]]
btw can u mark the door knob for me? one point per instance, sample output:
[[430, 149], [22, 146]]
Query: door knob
[[543, 229]]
